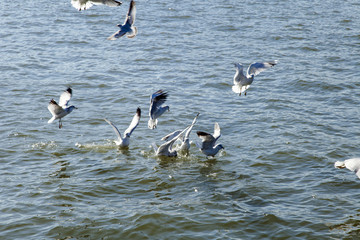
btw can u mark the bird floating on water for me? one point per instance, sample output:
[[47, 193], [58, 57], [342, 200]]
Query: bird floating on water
[[86, 4], [128, 27], [185, 140], [208, 146], [125, 140], [156, 110], [62, 109], [352, 164], [242, 82]]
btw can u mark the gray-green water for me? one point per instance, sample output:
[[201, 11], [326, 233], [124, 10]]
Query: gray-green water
[[275, 179]]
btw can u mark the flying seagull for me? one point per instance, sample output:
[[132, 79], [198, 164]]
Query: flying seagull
[[86, 4], [128, 26], [207, 146], [62, 109], [166, 149], [156, 110], [125, 140], [352, 164], [242, 82], [185, 141]]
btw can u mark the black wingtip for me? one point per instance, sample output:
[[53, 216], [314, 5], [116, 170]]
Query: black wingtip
[[138, 111], [69, 90], [200, 133], [52, 101]]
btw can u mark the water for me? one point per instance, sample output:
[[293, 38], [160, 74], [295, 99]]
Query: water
[[275, 178]]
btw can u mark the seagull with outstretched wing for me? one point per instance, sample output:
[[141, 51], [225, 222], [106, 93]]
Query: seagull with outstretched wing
[[124, 141], [157, 99], [58, 111], [242, 82], [86, 4], [128, 27], [208, 146]]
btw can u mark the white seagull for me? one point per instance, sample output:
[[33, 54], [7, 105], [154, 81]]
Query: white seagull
[[207, 146], [128, 26], [166, 149], [62, 109], [125, 141], [242, 82], [86, 4], [156, 110], [185, 141], [352, 164]]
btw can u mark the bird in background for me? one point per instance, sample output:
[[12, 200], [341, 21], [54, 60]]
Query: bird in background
[[86, 4], [62, 109], [352, 164], [242, 82], [124, 141], [166, 149], [128, 27], [184, 147], [156, 110], [207, 145]]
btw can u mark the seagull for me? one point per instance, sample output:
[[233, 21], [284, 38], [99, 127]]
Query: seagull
[[128, 26], [242, 82], [125, 141], [185, 141], [166, 148], [62, 109], [207, 146], [156, 100], [85, 4], [352, 164]]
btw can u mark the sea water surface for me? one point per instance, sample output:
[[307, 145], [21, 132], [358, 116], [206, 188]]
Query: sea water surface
[[275, 179]]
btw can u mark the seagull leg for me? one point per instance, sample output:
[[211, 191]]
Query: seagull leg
[[245, 93], [60, 123]]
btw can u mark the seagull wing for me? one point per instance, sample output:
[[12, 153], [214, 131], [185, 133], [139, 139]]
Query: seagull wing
[[110, 3], [54, 108], [187, 134], [116, 130], [171, 135], [130, 18], [257, 67], [157, 99], [65, 98], [117, 35], [239, 75], [207, 139], [168, 144], [134, 123], [217, 133]]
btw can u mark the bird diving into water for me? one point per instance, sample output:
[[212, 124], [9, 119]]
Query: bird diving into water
[[208, 146], [184, 146], [62, 109], [124, 141]]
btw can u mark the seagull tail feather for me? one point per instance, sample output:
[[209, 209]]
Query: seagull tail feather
[[152, 123], [236, 89]]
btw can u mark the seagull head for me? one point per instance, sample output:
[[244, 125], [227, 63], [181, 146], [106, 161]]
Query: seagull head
[[71, 108], [220, 146]]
